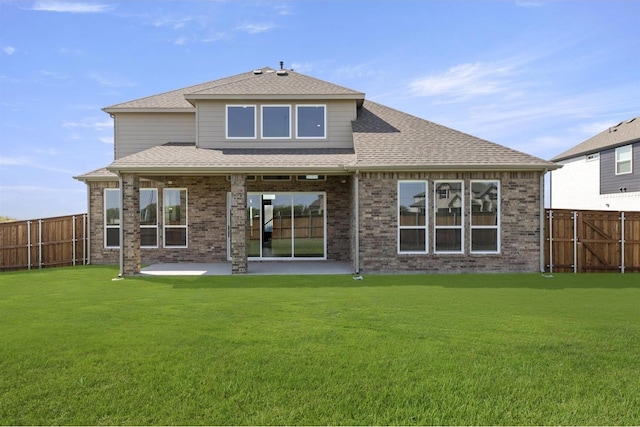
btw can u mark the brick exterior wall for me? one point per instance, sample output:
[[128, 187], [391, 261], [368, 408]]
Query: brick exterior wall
[[207, 217], [519, 231], [130, 230], [238, 224]]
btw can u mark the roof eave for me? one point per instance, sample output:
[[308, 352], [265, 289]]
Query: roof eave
[[148, 110], [456, 168], [223, 170]]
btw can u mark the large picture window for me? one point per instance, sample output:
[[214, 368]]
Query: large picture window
[[276, 121], [148, 218], [448, 203], [310, 121], [412, 217], [624, 157], [174, 201], [112, 218], [241, 121], [485, 216]]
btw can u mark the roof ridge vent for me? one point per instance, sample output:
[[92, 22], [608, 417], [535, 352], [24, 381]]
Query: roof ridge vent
[[256, 72], [282, 72]]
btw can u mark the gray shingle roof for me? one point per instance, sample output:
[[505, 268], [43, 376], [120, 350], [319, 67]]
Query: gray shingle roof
[[184, 159], [267, 83], [623, 133], [101, 174], [386, 138]]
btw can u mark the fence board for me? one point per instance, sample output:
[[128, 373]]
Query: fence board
[[592, 241], [47, 242]]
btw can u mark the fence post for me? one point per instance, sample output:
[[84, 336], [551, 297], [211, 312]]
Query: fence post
[[622, 242], [73, 240], [550, 241], [39, 243], [29, 245], [575, 241], [84, 239]]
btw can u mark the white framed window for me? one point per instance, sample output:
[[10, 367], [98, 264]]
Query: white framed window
[[148, 218], [624, 160], [276, 121], [241, 121], [111, 217], [448, 210], [175, 217], [412, 217], [311, 121], [485, 216]]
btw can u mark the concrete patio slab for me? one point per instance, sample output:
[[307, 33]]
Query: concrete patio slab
[[254, 268]]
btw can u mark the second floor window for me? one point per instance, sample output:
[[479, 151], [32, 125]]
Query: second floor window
[[241, 121], [276, 121], [311, 121], [624, 156]]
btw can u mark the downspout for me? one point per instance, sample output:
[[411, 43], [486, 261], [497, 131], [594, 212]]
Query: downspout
[[121, 220], [542, 222], [356, 196]]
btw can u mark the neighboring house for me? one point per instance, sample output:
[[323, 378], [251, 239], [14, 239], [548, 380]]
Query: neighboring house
[[276, 165], [601, 173]]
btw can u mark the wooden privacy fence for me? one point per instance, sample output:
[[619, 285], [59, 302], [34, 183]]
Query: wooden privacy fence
[[592, 241], [49, 242]]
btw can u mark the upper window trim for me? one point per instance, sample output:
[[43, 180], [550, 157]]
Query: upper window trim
[[255, 121], [618, 161], [324, 130], [262, 107]]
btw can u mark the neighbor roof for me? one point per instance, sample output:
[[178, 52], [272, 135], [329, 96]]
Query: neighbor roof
[[263, 83], [623, 133]]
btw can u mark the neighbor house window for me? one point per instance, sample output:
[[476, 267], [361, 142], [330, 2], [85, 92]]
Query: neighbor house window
[[112, 218], [276, 121], [412, 217], [311, 121], [174, 201], [485, 216], [449, 217], [624, 156], [148, 218], [241, 121]]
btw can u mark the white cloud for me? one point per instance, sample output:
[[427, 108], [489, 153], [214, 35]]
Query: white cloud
[[90, 123], [110, 81], [255, 28], [106, 139], [181, 41], [14, 161], [528, 3], [70, 7], [9, 50], [465, 81]]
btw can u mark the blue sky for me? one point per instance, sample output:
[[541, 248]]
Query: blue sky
[[536, 75]]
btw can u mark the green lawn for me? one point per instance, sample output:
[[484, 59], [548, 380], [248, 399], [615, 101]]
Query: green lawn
[[79, 348]]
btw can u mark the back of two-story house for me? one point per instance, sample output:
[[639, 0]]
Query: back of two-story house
[[601, 173], [276, 165]]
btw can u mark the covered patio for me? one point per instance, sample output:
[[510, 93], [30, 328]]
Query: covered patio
[[254, 268]]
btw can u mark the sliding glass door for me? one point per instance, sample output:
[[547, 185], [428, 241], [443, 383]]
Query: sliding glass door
[[286, 226]]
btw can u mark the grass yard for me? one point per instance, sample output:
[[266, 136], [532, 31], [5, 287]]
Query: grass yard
[[79, 348]]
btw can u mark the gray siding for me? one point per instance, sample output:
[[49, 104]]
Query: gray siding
[[211, 127], [611, 183], [136, 132]]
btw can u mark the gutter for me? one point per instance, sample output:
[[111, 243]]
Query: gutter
[[121, 228], [356, 196], [542, 221]]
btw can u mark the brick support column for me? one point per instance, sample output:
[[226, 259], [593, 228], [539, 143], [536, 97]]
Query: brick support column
[[130, 226], [239, 248]]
